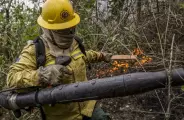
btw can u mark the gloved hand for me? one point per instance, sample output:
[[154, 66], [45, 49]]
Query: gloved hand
[[106, 57], [52, 74]]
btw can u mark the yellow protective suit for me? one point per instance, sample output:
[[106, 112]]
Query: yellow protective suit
[[23, 73]]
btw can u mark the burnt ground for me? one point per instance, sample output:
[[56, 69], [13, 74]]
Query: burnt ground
[[143, 107]]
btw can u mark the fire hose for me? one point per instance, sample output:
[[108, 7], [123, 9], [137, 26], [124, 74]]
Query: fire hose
[[117, 86]]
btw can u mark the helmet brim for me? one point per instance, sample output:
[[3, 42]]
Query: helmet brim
[[59, 26]]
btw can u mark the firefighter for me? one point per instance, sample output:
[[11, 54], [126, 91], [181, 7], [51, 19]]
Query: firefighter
[[58, 22]]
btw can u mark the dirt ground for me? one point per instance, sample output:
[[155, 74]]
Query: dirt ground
[[146, 106]]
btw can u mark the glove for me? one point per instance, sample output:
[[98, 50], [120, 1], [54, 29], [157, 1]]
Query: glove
[[52, 74], [106, 57]]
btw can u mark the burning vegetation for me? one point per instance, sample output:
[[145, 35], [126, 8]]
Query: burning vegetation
[[119, 66]]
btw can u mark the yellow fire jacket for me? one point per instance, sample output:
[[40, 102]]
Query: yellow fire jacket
[[23, 73]]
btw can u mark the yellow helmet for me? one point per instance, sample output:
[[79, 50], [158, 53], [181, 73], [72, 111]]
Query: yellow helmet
[[57, 15]]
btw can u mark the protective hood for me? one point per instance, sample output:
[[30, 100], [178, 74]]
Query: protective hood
[[58, 42]]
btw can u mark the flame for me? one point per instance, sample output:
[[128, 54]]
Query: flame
[[122, 66], [137, 51], [144, 59]]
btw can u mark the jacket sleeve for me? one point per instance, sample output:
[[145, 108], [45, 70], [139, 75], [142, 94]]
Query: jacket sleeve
[[23, 73], [93, 56]]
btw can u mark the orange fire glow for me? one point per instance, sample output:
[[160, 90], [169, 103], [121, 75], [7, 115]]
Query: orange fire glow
[[122, 66]]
